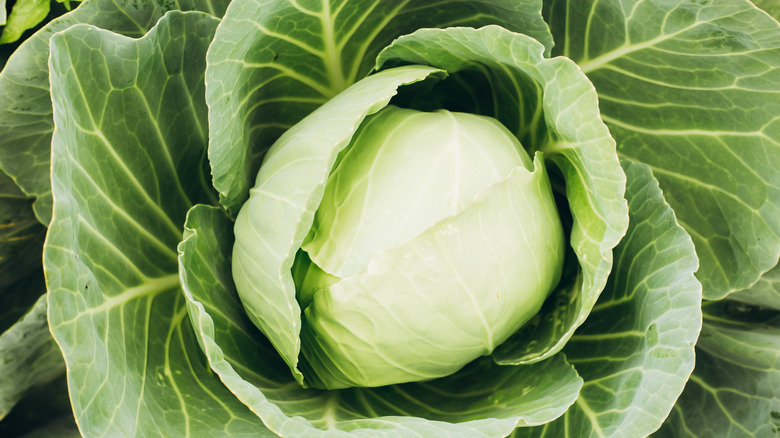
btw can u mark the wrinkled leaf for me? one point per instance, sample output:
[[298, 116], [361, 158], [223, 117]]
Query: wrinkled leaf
[[691, 88], [128, 157], [275, 61], [25, 104], [636, 350]]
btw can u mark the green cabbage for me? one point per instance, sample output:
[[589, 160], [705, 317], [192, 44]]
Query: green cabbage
[[435, 232], [392, 218]]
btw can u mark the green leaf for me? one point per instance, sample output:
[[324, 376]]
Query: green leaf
[[551, 107], [735, 389], [278, 215], [275, 61], [483, 400], [25, 14], [3, 16], [25, 104], [636, 350], [766, 292], [128, 160], [690, 88], [28, 356]]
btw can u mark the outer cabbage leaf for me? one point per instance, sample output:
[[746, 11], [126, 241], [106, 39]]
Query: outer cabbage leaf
[[275, 61], [552, 108], [765, 293], [25, 103], [735, 389], [482, 400], [25, 138], [636, 350], [28, 355], [128, 157], [691, 88]]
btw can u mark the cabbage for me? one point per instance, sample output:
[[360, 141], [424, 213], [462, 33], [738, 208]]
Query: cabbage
[[392, 218]]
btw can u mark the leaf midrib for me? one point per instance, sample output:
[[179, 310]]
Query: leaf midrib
[[151, 287]]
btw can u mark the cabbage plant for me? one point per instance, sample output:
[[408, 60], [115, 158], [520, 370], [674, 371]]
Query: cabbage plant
[[392, 218]]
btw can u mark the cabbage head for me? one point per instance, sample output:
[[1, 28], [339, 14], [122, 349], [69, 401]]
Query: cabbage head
[[434, 232]]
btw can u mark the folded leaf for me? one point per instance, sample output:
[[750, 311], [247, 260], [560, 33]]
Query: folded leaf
[[128, 160]]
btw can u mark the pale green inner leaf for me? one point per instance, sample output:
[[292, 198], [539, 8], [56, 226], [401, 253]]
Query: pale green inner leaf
[[449, 295]]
